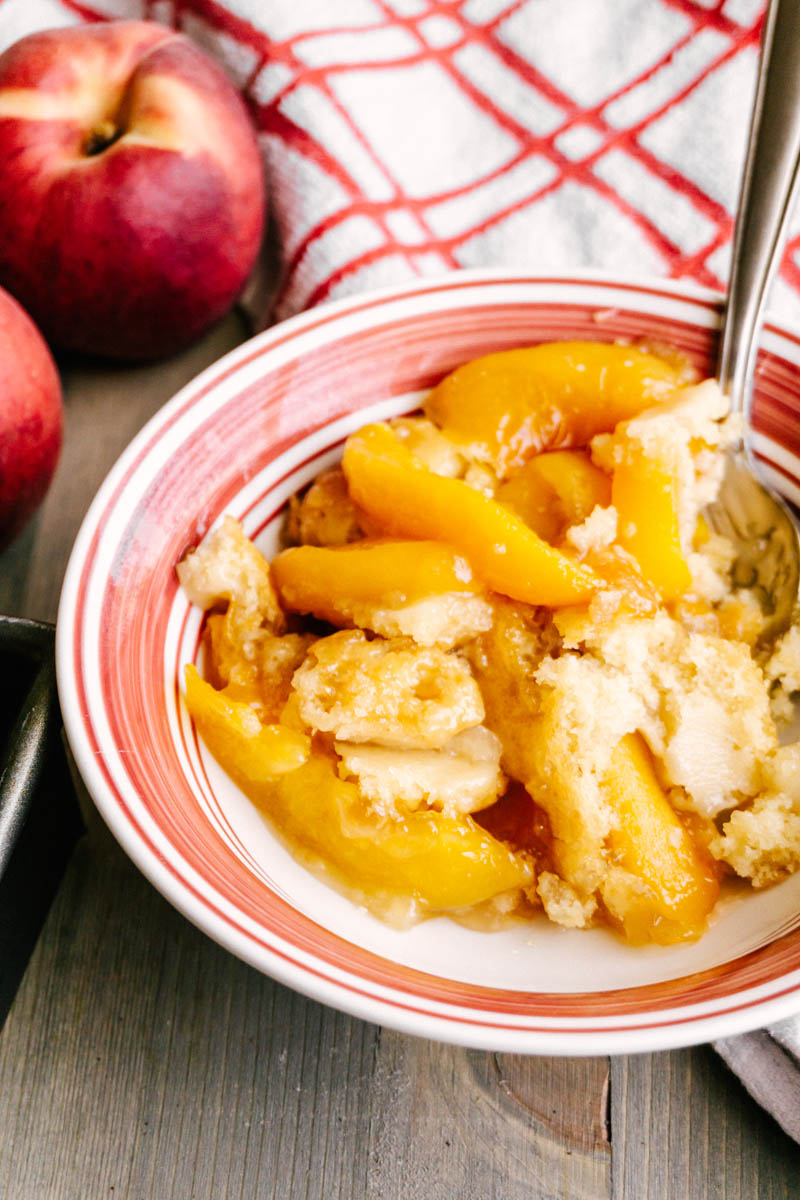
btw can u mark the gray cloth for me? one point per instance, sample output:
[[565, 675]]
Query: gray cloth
[[768, 1064]]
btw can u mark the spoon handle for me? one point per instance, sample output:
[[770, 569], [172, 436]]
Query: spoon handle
[[765, 204]]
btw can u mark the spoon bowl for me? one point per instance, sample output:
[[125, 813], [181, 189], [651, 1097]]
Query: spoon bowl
[[765, 534]]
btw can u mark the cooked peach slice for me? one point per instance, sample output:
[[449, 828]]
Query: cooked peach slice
[[643, 493], [666, 886], [251, 752], [336, 584], [441, 862], [504, 408], [555, 490], [578, 483], [408, 500], [535, 500]]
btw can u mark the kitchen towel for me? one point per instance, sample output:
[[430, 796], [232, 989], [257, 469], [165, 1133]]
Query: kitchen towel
[[407, 137], [404, 138], [768, 1064]]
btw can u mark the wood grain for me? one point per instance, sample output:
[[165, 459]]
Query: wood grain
[[683, 1126], [159, 1066], [140, 1060], [451, 1122]]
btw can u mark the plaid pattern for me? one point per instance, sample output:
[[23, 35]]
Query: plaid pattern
[[409, 137]]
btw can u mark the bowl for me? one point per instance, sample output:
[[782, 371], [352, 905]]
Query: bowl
[[240, 439]]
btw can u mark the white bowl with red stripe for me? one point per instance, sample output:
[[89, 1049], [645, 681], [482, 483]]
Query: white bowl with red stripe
[[241, 439]]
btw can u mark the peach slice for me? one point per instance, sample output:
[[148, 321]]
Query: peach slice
[[252, 753], [408, 500], [442, 862], [336, 584], [673, 887], [507, 407], [555, 490], [532, 498], [643, 493], [578, 483]]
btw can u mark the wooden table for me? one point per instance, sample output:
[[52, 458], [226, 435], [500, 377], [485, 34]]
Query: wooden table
[[142, 1061]]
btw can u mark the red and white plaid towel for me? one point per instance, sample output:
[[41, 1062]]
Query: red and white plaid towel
[[408, 137]]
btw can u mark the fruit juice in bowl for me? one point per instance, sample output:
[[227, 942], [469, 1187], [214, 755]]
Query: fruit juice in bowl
[[466, 719]]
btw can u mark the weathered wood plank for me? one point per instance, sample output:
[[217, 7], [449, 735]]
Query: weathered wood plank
[[683, 1126], [141, 1057], [449, 1122], [14, 571]]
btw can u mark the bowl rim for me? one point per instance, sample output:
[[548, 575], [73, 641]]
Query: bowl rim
[[371, 1005]]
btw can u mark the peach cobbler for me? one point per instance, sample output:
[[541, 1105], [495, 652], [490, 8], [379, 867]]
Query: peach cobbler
[[501, 668]]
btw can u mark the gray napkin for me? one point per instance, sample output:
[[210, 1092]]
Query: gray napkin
[[768, 1064]]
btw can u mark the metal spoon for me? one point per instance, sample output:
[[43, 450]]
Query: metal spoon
[[761, 526]]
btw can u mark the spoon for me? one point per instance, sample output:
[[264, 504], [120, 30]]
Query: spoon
[[764, 531]]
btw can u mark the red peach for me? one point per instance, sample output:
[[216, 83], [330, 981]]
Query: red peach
[[131, 187], [30, 418]]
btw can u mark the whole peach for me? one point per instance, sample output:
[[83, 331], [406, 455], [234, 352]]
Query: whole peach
[[131, 187], [30, 418]]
